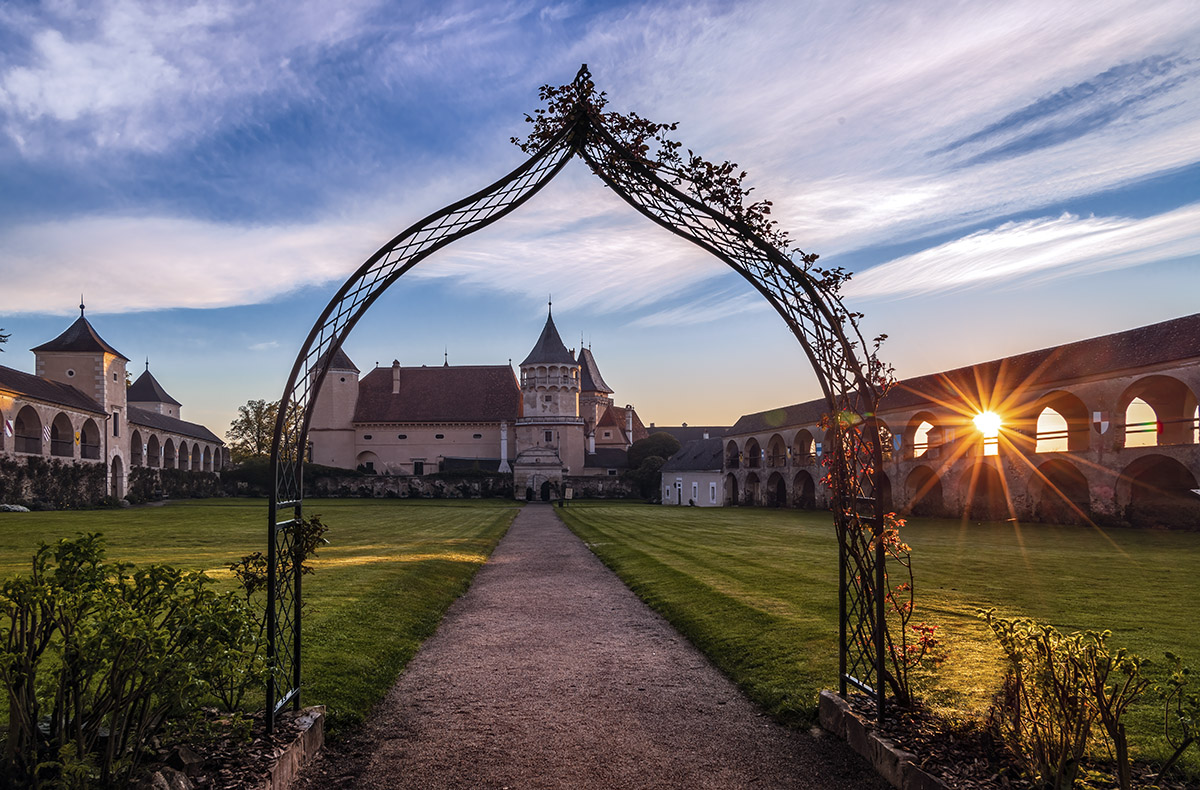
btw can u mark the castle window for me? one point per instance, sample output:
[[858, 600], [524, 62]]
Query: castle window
[[612, 472], [116, 423], [547, 397], [477, 436], [402, 436], [439, 436], [549, 436], [366, 437], [70, 374], [608, 434], [343, 378]]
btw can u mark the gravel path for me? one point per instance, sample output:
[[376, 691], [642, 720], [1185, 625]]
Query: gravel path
[[550, 673]]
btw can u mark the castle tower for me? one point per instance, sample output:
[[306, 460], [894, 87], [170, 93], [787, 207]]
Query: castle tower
[[594, 395], [550, 431], [331, 432], [146, 393]]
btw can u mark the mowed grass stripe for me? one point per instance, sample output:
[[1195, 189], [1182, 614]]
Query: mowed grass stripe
[[756, 590], [380, 587]]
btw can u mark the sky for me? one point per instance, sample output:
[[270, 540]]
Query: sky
[[1000, 177]]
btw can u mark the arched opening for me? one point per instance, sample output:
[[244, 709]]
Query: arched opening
[[776, 490], [924, 492], [1063, 424], [208, 459], [751, 496], [802, 448], [62, 437], [169, 454], [731, 490], [117, 481], [545, 491], [184, 457], [922, 436], [153, 452], [1159, 491], [27, 431], [878, 486], [983, 494], [1167, 416], [366, 461], [136, 457], [1061, 493], [1141, 424], [733, 456], [753, 454], [196, 457], [89, 440], [776, 452], [804, 491]]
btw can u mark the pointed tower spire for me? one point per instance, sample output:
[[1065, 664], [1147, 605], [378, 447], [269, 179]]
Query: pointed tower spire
[[81, 304]]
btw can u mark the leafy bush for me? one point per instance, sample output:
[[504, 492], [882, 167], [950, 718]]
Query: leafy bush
[[1056, 689], [51, 484], [1181, 714], [95, 656]]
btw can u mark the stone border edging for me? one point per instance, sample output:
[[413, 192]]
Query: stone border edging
[[891, 762], [300, 751]]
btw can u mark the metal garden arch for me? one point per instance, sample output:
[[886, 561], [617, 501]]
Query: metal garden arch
[[811, 308]]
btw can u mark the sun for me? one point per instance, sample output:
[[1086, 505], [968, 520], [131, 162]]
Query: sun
[[988, 423]]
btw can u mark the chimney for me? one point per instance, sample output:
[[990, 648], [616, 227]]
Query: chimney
[[395, 377], [629, 422]]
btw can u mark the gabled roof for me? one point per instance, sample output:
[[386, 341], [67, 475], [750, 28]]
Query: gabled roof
[[614, 417], [549, 348], [699, 455], [161, 422], [79, 337], [459, 393], [590, 379], [147, 390], [38, 388], [340, 361]]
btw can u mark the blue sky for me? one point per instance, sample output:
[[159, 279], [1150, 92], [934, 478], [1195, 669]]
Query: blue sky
[[1000, 177]]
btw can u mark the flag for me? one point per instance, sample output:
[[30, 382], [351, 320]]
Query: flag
[[45, 433], [8, 428], [77, 438], [896, 442], [818, 449], [1100, 421]]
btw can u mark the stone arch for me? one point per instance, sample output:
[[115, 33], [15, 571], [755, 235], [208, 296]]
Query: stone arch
[[1173, 404], [753, 453], [984, 494], [89, 440], [733, 455], [136, 457], [169, 461], [208, 466], [777, 452], [776, 491], [804, 491], [62, 437], [195, 465], [27, 431], [1158, 492], [368, 462], [117, 478], [731, 489], [1061, 493], [922, 436], [752, 495], [802, 447], [153, 451], [185, 458], [1062, 423], [923, 491]]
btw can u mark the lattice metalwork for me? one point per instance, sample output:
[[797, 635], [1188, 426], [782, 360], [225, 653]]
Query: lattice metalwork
[[812, 312]]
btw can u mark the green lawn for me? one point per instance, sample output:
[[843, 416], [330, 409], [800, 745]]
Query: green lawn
[[380, 586], [756, 589]]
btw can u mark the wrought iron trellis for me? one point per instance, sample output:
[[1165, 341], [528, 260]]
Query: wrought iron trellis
[[813, 312]]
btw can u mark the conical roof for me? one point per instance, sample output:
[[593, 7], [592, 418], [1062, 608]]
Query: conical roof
[[79, 337], [549, 349], [340, 361], [147, 390], [590, 379]]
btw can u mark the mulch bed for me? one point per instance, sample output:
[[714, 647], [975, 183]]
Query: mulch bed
[[968, 757]]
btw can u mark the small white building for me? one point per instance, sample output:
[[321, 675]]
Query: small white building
[[692, 476]]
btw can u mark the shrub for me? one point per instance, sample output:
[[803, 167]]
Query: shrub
[[1181, 709]]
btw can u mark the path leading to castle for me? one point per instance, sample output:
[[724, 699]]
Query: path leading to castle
[[550, 673]]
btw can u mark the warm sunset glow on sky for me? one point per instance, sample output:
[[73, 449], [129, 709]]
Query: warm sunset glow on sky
[[1001, 177]]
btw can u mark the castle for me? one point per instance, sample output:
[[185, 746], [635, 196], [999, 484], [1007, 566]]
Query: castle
[[79, 408], [556, 422]]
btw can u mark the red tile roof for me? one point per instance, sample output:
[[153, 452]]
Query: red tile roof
[[459, 393]]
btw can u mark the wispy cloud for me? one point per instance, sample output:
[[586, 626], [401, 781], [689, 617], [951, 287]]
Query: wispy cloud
[[1033, 251], [266, 345]]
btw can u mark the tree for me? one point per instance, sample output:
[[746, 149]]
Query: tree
[[251, 434], [661, 444], [3, 340]]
